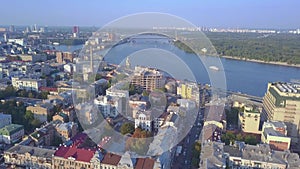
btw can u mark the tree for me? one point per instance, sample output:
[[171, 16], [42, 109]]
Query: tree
[[127, 128], [250, 139], [29, 116], [196, 154], [139, 142], [98, 77], [145, 93], [30, 95], [35, 123], [239, 137], [43, 95]]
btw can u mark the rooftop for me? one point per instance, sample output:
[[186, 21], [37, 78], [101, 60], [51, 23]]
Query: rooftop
[[34, 151], [11, 129], [144, 163], [263, 152], [270, 131], [111, 159], [214, 113], [78, 154]]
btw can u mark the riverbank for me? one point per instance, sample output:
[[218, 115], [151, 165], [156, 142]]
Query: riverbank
[[263, 62]]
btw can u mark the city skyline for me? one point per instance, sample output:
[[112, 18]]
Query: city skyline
[[233, 14]]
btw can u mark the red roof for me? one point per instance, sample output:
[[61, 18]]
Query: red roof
[[48, 89], [144, 163], [78, 154], [111, 159]]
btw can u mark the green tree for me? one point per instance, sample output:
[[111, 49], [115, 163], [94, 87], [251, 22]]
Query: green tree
[[145, 93], [35, 123], [98, 77], [31, 95], [127, 128], [196, 154], [250, 139], [239, 137]]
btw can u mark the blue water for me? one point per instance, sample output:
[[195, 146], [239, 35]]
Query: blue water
[[241, 76]]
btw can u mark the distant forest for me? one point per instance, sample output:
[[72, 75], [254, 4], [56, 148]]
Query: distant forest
[[267, 47]]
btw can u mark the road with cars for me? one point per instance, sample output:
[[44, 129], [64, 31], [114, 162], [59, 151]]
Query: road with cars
[[184, 159]]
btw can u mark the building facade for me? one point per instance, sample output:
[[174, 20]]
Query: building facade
[[40, 112], [242, 155], [274, 133], [29, 157], [249, 120], [143, 119], [148, 79], [28, 83], [282, 103], [11, 133]]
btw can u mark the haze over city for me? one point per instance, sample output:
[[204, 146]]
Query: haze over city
[[164, 84], [210, 13]]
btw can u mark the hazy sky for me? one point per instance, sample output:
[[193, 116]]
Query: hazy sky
[[211, 13]]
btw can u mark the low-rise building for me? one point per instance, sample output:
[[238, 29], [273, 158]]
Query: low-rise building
[[41, 137], [143, 119], [60, 117], [28, 83], [214, 114], [11, 133], [110, 161], [72, 158], [33, 58], [41, 112], [212, 156], [242, 155], [109, 106], [275, 134], [29, 157], [66, 130]]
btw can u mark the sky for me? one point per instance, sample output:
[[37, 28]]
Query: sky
[[282, 14]]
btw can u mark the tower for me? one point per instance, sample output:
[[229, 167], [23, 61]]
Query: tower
[[91, 57], [128, 65]]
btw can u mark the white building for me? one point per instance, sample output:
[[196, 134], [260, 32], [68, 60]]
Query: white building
[[109, 106], [28, 83], [5, 119], [143, 119], [17, 41], [69, 68]]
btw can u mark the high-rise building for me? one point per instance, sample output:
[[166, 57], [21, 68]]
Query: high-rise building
[[249, 120], [75, 31], [11, 28], [282, 103], [148, 78]]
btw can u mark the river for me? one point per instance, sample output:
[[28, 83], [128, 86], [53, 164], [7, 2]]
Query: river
[[241, 76]]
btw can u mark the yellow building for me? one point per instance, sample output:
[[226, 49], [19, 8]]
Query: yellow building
[[249, 120], [282, 103], [189, 91]]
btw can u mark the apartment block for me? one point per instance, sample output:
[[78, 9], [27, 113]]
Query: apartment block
[[282, 103], [249, 120]]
